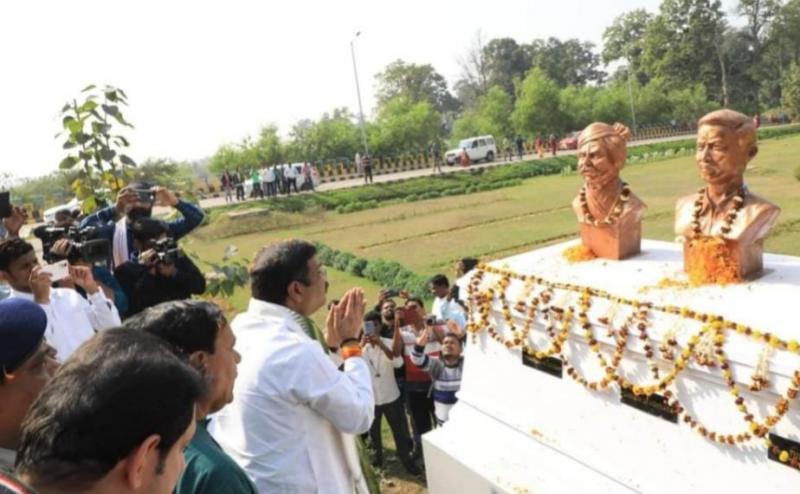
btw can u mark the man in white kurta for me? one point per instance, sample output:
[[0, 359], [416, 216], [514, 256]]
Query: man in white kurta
[[293, 410], [71, 318]]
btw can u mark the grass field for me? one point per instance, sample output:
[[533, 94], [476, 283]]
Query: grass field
[[429, 236]]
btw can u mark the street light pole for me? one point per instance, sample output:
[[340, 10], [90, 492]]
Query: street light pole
[[358, 92], [630, 96]]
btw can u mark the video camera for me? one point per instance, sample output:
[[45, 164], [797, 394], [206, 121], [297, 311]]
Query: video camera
[[167, 250], [83, 244]]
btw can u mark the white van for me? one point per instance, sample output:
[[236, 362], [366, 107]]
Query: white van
[[478, 148]]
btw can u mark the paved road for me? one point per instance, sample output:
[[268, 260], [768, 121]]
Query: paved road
[[425, 172]]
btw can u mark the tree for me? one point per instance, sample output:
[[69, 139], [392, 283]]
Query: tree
[[577, 104], [335, 135], [404, 126], [537, 108], [95, 144], [490, 115], [164, 171], [474, 80], [415, 82], [624, 40], [506, 62], [791, 91], [612, 104], [229, 157], [569, 62], [690, 103], [759, 15], [680, 45], [268, 148], [785, 34]]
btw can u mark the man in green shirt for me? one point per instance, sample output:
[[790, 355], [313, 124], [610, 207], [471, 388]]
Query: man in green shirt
[[199, 331]]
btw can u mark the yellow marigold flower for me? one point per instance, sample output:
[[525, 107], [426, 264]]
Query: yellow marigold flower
[[784, 456]]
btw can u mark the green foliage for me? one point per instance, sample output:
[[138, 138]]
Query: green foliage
[[388, 274], [538, 108], [680, 46], [46, 191], [404, 126], [791, 91], [489, 116], [227, 275], [506, 62], [568, 62], [93, 142], [178, 176], [624, 38], [415, 82], [334, 135], [267, 149]]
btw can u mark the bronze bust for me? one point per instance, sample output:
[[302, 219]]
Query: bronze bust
[[724, 209], [610, 215]]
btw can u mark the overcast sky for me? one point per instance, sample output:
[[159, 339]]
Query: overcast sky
[[201, 73]]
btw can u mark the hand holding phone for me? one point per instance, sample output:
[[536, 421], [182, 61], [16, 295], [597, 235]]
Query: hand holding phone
[[369, 328], [57, 271], [40, 285]]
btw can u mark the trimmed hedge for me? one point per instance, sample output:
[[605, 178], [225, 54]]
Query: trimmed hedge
[[388, 274]]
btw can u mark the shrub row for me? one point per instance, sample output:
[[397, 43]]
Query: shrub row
[[387, 274]]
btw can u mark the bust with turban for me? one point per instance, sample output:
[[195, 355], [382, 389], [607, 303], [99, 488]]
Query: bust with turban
[[609, 214]]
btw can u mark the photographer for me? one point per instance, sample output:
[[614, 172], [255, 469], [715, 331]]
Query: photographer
[[50, 234], [12, 220], [162, 274], [382, 363], [133, 202]]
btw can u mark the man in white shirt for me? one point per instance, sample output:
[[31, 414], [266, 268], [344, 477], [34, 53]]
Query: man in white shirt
[[291, 179], [293, 412], [444, 307], [268, 177], [71, 319], [382, 363]]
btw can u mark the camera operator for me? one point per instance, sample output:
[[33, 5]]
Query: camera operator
[[12, 220], [52, 233], [136, 201], [162, 272]]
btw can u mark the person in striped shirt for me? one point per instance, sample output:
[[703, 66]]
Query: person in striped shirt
[[445, 371]]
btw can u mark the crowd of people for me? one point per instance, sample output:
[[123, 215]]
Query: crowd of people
[[113, 380], [267, 181]]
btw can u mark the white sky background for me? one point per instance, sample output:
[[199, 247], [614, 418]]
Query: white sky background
[[200, 73]]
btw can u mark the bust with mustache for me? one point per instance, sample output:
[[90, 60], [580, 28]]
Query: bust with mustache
[[609, 214], [725, 207]]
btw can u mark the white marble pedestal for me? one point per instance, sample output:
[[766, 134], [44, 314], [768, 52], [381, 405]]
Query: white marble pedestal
[[516, 429]]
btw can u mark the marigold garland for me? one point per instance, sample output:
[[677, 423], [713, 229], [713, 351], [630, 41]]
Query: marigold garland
[[710, 260], [705, 347]]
